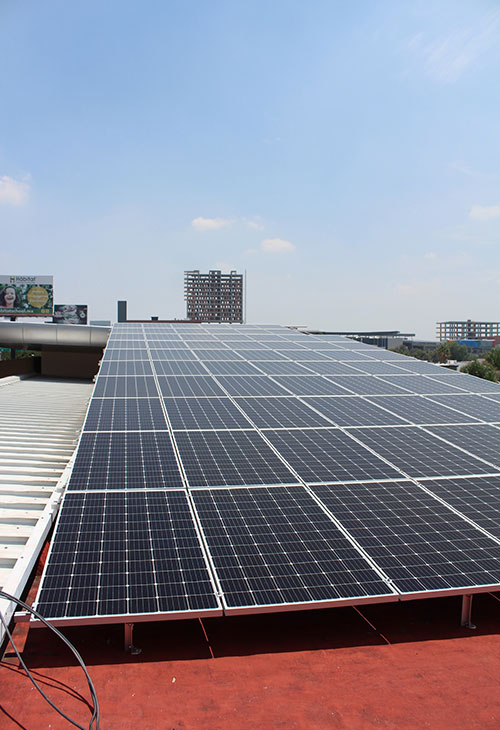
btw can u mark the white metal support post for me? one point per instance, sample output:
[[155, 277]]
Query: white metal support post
[[466, 619], [129, 640]]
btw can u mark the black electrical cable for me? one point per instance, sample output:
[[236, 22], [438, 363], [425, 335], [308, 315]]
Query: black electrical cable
[[95, 708]]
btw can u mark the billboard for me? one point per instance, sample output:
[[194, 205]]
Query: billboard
[[31, 296], [70, 314]]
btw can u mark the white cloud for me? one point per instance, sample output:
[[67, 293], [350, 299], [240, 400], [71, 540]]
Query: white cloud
[[484, 212], [255, 225], [13, 192], [465, 169], [276, 245], [209, 224], [447, 57], [430, 255]]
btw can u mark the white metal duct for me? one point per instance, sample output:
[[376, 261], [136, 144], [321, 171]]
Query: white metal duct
[[67, 335]]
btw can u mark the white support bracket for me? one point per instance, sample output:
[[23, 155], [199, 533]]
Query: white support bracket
[[466, 619], [129, 642]]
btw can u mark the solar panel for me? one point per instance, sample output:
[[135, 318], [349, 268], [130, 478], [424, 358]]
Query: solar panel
[[125, 414], [275, 546], [122, 354], [419, 453], [191, 385], [221, 354], [492, 396], [126, 367], [283, 345], [479, 439], [230, 458], [367, 385], [279, 412], [318, 344], [138, 343], [249, 345], [418, 366], [256, 355], [132, 386], [473, 405], [200, 341], [353, 411], [285, 367], [232, 368], [377, 353], [373, 367], [335, 367], [180, 367], [478, 498], [264, 474], [420, 410], [328, 455], [128, 460], [204, 413], [124, 555], [310, 385], [304, 354], [345, 355], [177, 354], [420, 384], [249, 385], [420, 544], [270, 339], [466, 382]]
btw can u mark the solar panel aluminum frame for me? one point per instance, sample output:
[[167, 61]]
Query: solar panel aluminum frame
[[304, 606]]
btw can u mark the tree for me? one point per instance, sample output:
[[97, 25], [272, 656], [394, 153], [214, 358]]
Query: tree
[[443, 352], [493, 358], [402, 350], [480, 370], [411, 352], [458, 352]]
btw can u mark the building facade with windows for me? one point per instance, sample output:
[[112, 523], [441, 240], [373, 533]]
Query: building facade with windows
[[213, 297], [467, 330]]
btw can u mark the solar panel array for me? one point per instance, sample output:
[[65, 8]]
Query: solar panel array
[[237, 468]]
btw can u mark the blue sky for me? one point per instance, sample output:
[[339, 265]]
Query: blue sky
[[344, 155]]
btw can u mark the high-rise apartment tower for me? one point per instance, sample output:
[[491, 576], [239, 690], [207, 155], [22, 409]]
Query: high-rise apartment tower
[[214, 297]]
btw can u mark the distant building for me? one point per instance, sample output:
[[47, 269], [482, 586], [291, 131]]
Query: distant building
[[122, 311], [388, 339], [213, 297], [467, 330]]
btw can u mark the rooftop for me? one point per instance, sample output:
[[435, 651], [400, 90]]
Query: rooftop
[[396, 666], [406, 664]]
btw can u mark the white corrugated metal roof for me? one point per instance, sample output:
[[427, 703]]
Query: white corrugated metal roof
[[40, 420]]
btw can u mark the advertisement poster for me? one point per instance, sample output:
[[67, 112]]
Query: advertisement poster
[[70, 314], [31, 296]]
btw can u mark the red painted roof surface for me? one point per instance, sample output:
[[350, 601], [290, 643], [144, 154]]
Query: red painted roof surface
[[403, 666]]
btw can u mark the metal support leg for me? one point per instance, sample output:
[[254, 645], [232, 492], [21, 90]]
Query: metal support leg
[[129, 643], [466, 619]]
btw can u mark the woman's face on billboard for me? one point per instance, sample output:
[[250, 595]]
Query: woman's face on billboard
[[9, 296]]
